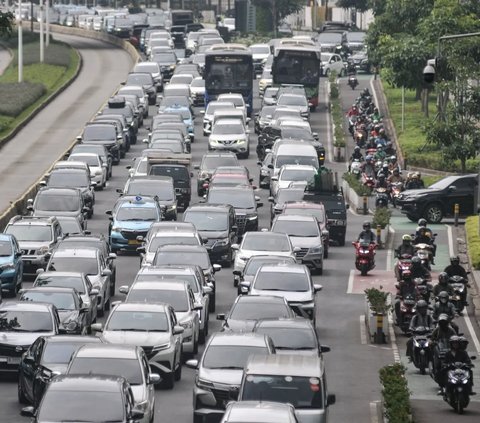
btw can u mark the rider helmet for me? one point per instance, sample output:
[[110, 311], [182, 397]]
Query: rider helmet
[[443, 279], [454, 342], [381, 177], [422, 307], [357, 148], [422, 222], [406, 238], [443, 320], [416, 261], [443, 297], [463, 343], [366, 226], [369, 158], [455, 260]]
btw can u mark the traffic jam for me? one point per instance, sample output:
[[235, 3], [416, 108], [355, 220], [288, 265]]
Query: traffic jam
[[203, 178]]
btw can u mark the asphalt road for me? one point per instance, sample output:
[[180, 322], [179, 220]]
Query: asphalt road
[[352, 365]]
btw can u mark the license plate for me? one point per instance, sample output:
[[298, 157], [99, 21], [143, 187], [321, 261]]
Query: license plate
[[3, 359], [27, 262], [133, 242], [13, 360]]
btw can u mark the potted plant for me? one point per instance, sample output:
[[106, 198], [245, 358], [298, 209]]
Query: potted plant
[[377, 306]]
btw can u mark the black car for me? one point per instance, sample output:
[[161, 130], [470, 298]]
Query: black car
[[167, 62], [438, 200], [281, 197], [243, 200], [216, 225], [21, 323], [105, 134], [46, 355], [181, 180], [178, 35], [360, 60]]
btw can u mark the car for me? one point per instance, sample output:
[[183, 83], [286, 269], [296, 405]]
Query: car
[[98, 169], [92, 398], [127, 361], [266, 79], [36, 237], [332, 40], [270, 96], [210, 161], [356, 40], [247, 309], [359, 59], [190, 254], [139, 93], [21, 324], [294, 152], [196, 280], [104, 134], [59, 201], [153, 69], [230, 135], [260, 52], [295, 101], [264, 411], [176, 146], [181, 78], [263, 118], [11, 265], [146, 81], [76, 317], [253, 264], [291, 173], [152, 326], [187, 118], [94, 241], [291, 281], [216, 224], [305, 236], [187, 68], [159, 187], [209, 112], [173, 100], [180, 296], [227, 179], [100, 150], [260, 244], [73, 178], [47, 357], [439, 199], [219, 371], [283, 196], [197, 91], [71, 225], [90, 261], [243, 200], [119, 106], [167, 226], [167, 62], [331, 62], [131, 217]]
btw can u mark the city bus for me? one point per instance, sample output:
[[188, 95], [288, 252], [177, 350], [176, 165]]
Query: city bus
[[229, 69], [299, 64]]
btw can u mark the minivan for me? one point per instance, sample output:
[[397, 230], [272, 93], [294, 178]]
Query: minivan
[[295, 153]]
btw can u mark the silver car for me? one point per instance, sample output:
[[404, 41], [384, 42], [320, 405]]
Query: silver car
[[154, 328], [220, 369], [305, 236], [180, 296], [260, 411], [210, 110], [295, 101], [230, 135]]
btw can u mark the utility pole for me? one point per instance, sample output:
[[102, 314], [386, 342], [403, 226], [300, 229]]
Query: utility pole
[[47, 23], [20, 43]]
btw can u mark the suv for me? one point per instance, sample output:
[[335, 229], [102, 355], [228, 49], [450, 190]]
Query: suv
[[438, 200], [216, 224], [36, 237], [11, 265], [99, 133], [210, 162]]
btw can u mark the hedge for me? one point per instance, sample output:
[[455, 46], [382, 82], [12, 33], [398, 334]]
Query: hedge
[[381, 217], [396, 396], [356, 185], [337, 112], [473, 241], [17, 96]]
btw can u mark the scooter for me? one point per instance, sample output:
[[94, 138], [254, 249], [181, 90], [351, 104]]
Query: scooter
[[407, 311], [368, 180], [421, 353], [352, 81], [425, 289], [356, 168], [403, 263], [459, 288], [459, 386], [424, 252], [381, 198], [364, 256], [396, 189]]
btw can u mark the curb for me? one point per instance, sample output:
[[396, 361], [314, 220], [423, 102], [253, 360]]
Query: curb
[[474, 291]]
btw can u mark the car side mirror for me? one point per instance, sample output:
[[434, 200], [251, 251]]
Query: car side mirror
[[178, 330], [270, 166], [217, 268], [97, 327], [244, 287], [43, 183], [106, 272], [192, 364], [108, 212], [197, 307], [141, 250], [317, 287], [331, 399], [324, 348], [123, 289], [297, 249], [259, 204], [28, 411], [154, 378], [137, 415], [221, 316], [207, 290]]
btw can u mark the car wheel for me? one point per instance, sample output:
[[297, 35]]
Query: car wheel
[[211, 304], [169, 380], [433, 213], [325, 253], [22, 399], [178, 372]]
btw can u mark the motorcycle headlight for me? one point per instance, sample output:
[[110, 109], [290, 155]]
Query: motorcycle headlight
[[316, 250]]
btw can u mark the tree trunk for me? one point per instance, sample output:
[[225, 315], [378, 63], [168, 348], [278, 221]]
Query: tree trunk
[[418, 94], [463, 164]]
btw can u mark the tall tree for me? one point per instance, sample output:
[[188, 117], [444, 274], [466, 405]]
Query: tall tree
[[280, 8], [360, 5]]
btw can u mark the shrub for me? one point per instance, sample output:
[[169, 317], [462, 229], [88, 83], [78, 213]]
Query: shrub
[[356, 185], [396, 396], [5, 122], [16, 97], [473, 241], [381, 217], [378, 300]]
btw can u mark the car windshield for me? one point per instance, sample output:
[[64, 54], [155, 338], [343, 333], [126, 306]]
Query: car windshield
[[99, 133], [165, 58], [297, 174], [87, 265], [212, 107], [130, 369], [205, 221], [198, 82], [62, 282], [81, 406], [147, 214], [174, 100], [192, 281], [89, 148], [181, 79], [229, 356], [292, 100], [62, 179], [356, 36], [25, 321], [305, 211], [288, 194], [147, 67], [265, 242], [444, 183], [228, 129], [6, 249], [239, 199], [137, 92], [61, 300], [30, 233], [301, 392], [175, 91], [212, 162], [178, 299], [178, 257], [237, 101], [140, 79], [159, 241], [296, 133], [285, 159], [163, 191], [256, 311], [60, 352], [296, 228], [138, 321], [260, 49], [281, 281], [331, 37], [57, 203], [267, 112], [185, 113], [92, 161], [70, 226], [290, 339], [254, 263]]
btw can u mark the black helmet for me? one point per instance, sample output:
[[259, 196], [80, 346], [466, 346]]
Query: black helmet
[[422, 305], [422, 222], [416, 261], [443, 278], [454, 341], [455, 260], [366, 225], [463, 342], [443, 319], [381, 176], [443, 297]]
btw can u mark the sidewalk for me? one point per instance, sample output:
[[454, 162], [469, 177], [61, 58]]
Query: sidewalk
[[5, 59]]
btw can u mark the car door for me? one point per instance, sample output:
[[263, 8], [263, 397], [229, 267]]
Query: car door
[[150, 386], [462, 194], [106, 280], [195, 313], [17, 259], [29, 366], [93, 299]]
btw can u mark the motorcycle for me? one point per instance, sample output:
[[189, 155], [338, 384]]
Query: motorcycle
[[424, 289], [352, 81], [351, 124], [381, 197], [396, 189], [459, 386], [424, 251], [364, 256], [356, 168], [407, 311], [459, 295], [368, 180], [403, 263], [421, 353], [439, 351]]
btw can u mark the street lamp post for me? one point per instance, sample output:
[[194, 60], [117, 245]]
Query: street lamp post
[[20, 43]]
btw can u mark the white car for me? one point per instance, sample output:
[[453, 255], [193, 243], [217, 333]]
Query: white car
[[331, 62], [291, 173], [236, 99], [98, 169], [210, 110], [139, 92], [260, 244]]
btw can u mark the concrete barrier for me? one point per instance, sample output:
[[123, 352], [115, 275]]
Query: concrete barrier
[[19, 206], [355, 200]]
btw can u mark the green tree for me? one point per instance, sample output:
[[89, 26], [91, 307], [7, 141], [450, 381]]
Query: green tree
[[6, 23], [360, 5], [280, 8]]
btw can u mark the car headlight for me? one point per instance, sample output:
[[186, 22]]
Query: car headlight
[[264, 172], [308, 305], [252, 217], [72, 325], [116, 229], [212, 141], [187, 325], [241, 141], [161, 347], [42, 250], [315, 250], [202, 383]]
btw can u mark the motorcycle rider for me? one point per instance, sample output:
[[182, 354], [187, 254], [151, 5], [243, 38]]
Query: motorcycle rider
[[389, 146], [367, 234], [422, 223], [405, 288], [440, 337], [421, 319], [395, 177], [381, 182], [442, 285], [376, 115], [356, 155], [415, 182], [371, 144], [353, 111], [443, 306], [406, 247], [418, 270], [423, 236], [379, 154], [455, 268], [368, 167]]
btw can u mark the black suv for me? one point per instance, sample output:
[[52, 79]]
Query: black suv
[[216, 224], [181, 180], [437, 201]]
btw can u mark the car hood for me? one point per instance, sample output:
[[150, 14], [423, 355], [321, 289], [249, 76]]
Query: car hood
[[29, 245], [22, 338], [67, 315], [230, 137], [135, 338], [308, 353], [290, 296], [305, 241], [139, 393], [47, 213], [133, 225], [417, 192], [212, 236], [223, 376], [197, 90], [240, 325], [250, 253]]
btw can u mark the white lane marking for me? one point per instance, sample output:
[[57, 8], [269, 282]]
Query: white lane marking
[[391, 230], [374, 411], [373, 91], [451, 250], [393, 339], [329, 124], [363, 332], [350, 282]]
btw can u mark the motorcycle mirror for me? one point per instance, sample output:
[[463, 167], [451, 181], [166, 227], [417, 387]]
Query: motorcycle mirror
[[473, 357]]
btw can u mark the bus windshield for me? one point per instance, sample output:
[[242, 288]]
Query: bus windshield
[[289, 64], [224, 72]]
